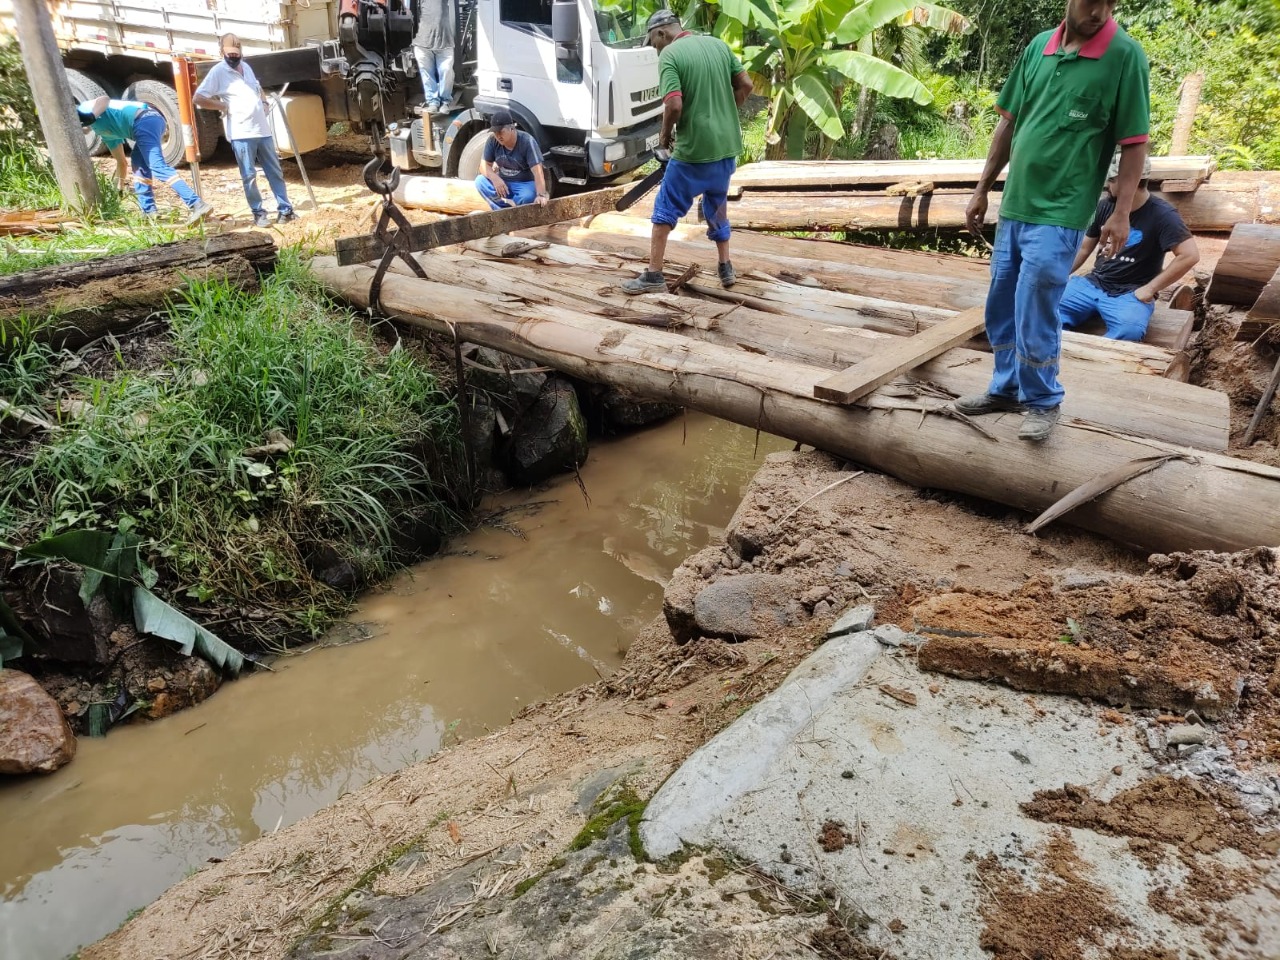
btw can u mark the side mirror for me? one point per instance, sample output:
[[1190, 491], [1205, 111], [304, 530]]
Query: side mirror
[[566, 29]]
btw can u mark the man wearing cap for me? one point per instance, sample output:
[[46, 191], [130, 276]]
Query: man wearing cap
[[1122, 289], [1076, 92], [511, 172], [232, 89], [116, 121], [702, 84]]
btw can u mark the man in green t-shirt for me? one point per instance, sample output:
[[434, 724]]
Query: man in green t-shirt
[[703, 84], [1075, 93]]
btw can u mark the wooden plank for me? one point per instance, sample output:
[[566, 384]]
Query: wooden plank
[[835, 173], [362, 249], [1176, 186], [897, 358]]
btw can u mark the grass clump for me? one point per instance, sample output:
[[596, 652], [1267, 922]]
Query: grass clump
[[365, 443]]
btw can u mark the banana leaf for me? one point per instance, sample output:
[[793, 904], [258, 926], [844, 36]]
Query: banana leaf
[[152, 615]]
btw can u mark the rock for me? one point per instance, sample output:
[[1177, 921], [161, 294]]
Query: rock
[[853, 620], [482, 427], [48, 603], [1185, 733], [814, 596], [623, 412], [34, 734], [688, 580], [331, 568], [522, 389], [746, 606], [549, 438], [822, 609], [892, 636]]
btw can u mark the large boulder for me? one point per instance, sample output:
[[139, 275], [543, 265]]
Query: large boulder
[[550, 437], [47, 601], [746, 606], [34, 735], [494, 372]]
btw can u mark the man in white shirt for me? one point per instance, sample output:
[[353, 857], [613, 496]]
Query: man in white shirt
[[231, 89]]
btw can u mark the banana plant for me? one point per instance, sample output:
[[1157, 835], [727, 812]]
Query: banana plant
[[802, 50]]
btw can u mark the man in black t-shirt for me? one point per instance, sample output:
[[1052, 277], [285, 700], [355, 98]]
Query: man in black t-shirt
[[1122, 289], [511, 171]]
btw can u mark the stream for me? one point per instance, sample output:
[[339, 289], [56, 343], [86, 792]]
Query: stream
[[545, 596]]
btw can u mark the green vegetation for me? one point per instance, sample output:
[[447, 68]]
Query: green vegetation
[[269, 429], [622, 803]]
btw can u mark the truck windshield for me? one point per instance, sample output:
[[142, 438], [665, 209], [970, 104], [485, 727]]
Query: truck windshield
[[622, 22]]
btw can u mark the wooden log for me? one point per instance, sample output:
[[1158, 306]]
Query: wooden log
[[91, 298], [811, 174], [570, 278], [1214, 207], [440, 195], [461, 229], [898, 284], [895, 359], [1205, 501], [1265, 313], [1188, 104], [1246, 266]]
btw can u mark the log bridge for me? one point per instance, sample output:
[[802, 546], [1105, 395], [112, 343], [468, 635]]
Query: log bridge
[[855, 350]]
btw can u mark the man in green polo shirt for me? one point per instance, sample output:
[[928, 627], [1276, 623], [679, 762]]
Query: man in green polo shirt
[[1076, 92], [703, 84]]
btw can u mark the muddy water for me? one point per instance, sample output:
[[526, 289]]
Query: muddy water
[[455, 646]]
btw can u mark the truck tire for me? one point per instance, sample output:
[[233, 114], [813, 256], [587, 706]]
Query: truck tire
[[84, 87], [208, 132], [162, 97], [471, 155]]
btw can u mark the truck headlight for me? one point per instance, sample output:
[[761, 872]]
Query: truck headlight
[[615, 151]]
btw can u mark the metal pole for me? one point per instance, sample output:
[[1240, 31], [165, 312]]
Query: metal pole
[[183, 82], [77, 179]]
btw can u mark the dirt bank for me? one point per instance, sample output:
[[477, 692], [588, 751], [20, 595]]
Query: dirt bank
[[507, 807]]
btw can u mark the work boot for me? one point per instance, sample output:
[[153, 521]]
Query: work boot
[[728, 277], [261, 219], [286, 216], [976, 404], [1038, 424], [198, 212], [647, 282]]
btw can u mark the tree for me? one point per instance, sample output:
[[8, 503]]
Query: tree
[[803, 50]]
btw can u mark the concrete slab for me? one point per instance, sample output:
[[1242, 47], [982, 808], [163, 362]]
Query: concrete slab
[[923, 792]]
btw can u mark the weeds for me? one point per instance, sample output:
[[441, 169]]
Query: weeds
[[371, 444]]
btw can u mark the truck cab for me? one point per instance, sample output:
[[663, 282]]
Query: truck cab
[[576, 74]]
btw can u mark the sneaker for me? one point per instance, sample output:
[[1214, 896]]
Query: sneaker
[[728, 277], [647, 282], [977, 404], [1037, 424], [261, 220], [198, 212], [286, 216]]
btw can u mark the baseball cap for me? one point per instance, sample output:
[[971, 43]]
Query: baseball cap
[[500, 119], [84, 114], [1115, 167], [661, 18]]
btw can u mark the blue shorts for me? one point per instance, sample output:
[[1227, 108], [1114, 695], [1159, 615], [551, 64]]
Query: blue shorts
[[681, 185]]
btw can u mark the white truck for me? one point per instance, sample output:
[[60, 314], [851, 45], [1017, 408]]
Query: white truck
[[576, 73]]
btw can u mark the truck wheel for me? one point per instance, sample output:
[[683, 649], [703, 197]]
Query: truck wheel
[[163, 98], [208, 132], [85, 87], [471, 155]]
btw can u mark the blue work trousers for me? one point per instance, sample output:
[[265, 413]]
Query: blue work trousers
[[1125, 316], [1029, 270], [149, 165], [521, 192], [254, 152], [683, 182]]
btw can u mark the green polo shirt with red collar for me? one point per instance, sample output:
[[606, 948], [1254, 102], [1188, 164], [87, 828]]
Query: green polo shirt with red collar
[[1069, 111]]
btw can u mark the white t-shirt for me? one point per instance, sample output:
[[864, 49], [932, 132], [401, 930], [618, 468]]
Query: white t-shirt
[[241, 92]]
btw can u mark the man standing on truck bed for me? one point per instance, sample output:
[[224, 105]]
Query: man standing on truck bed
[[703, 84], [1076, 93], [511, 170], [433, 49], [116, 121], [232, 90]]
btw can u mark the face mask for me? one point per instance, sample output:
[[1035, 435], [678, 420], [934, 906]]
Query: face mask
[[232, 59]]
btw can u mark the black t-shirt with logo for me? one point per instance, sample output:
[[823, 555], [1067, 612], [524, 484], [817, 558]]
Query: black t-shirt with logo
[[1155, 228]]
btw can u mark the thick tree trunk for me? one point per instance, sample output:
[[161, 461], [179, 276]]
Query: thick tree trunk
[[92, 298], [1202, 502], [439, 194], [1246, 266]]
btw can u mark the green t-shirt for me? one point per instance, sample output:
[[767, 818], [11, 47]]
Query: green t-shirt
[[701, 69], [1069, 112]]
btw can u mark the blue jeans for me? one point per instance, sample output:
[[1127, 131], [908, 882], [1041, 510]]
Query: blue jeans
[[522, 192], [1125, 315], [1029, 271], [251, 153], [436, 69], [148, 164], [682, 183]]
